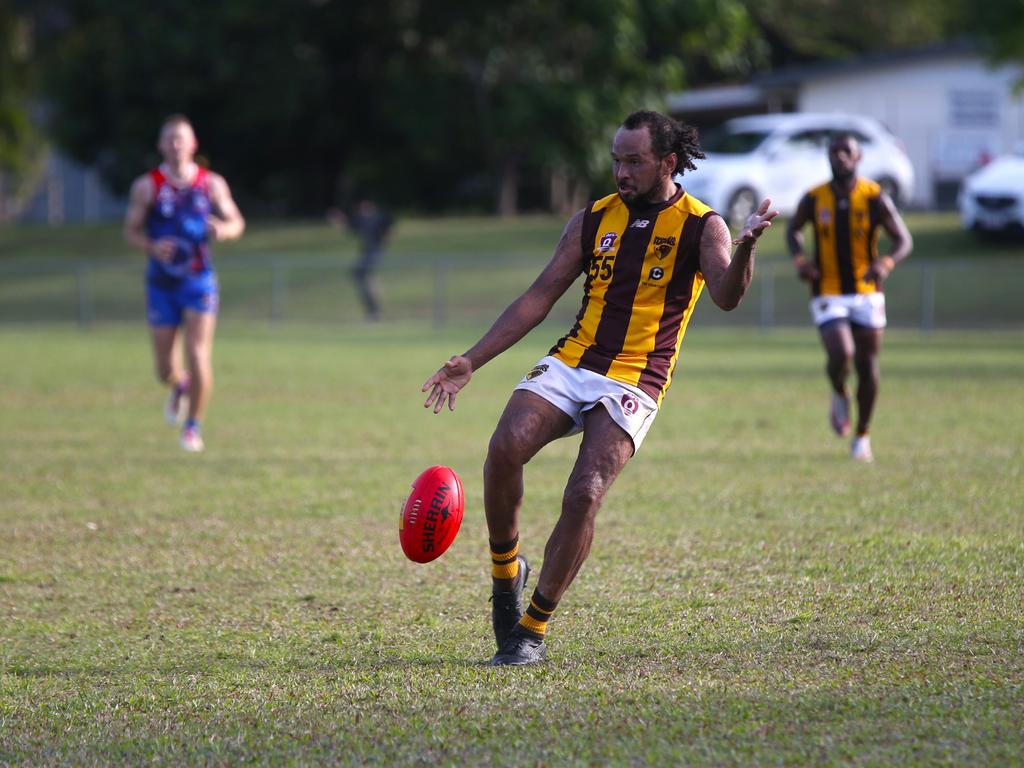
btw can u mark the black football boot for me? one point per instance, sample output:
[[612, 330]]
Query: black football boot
[[519, 649], [507, 606]]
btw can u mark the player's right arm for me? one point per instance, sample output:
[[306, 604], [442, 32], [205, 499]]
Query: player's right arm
[[805, 270], [140, 198], [521, 316]]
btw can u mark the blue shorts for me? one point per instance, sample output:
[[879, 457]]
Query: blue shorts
[[166, 302]]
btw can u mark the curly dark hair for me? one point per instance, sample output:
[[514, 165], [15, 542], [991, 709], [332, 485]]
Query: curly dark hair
[[668, 135]]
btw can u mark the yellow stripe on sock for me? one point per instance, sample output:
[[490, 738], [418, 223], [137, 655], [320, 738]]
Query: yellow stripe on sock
[[507, 571], [540, 627], [505, 555]]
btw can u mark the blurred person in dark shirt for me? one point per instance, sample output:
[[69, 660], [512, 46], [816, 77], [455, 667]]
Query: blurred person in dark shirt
[[372, 225]]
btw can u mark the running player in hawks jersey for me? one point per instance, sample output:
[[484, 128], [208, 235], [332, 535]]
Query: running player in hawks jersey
[[846, 278], [174, 211], [647, 253]]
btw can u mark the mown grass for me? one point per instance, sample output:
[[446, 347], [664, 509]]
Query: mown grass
[[752, 597]]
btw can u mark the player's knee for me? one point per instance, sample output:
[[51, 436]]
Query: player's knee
[[867, 366], [583, 494], [504, 452], [163, 372], [840, 361]]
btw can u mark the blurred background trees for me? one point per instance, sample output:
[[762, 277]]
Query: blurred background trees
[[429, 104]]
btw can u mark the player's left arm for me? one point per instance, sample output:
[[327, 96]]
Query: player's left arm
[[728, 276], [902, 242], [227, 222]]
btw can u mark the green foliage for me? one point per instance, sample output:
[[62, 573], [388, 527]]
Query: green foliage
[[806, 30], [998, 22], [20, 145], [431, 103], [428, 104]]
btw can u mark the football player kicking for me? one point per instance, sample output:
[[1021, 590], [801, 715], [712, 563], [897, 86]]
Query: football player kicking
[[647, 252]]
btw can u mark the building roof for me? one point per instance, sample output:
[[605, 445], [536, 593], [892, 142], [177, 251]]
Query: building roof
[[760, 89]]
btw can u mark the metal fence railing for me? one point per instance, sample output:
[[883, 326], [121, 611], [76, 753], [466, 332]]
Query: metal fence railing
[[444, 290]]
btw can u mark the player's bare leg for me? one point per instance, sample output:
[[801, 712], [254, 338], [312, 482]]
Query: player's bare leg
[[166, 354], [837, 339], [866, 360], [199, 329], [167, 359], [527, 425], [603, 453]]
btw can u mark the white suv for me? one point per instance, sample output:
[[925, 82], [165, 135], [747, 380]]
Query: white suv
[[782, 156]]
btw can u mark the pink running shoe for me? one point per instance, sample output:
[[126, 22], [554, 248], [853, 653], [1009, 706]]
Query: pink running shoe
[[192, 440], [839, 414]]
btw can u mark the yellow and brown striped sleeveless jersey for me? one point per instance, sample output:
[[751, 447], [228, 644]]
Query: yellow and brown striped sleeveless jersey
[[845, 237], [643, 280]]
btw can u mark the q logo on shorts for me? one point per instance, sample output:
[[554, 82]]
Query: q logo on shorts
[[629, 404]]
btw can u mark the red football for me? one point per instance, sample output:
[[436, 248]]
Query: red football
[[432, 514]]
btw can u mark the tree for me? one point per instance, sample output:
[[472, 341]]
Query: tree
[[435, 102], [20, 146], [999, 24], [799, 31]]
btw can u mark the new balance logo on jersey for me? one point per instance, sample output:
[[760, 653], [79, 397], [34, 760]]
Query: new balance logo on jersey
[[641, 223]]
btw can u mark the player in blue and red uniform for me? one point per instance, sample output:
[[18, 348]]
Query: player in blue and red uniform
[[174, 212]]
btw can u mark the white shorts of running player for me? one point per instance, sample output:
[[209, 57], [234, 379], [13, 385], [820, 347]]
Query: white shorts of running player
[[866, 309], [575, 391]]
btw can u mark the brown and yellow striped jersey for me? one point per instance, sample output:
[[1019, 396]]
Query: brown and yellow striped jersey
[[845, 237], [643, 280]]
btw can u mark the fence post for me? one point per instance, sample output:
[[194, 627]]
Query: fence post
[[927, 298], [278, 290], [768, 296], [440, 292], [86, 302]]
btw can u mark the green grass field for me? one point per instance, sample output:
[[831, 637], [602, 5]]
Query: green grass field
[[753, 597]]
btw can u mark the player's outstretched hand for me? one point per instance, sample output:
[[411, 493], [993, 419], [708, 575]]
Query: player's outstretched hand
[[757, 223], [446, 383]]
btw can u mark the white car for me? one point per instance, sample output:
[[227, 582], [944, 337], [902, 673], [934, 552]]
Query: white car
[[782, 156], [992, 198]]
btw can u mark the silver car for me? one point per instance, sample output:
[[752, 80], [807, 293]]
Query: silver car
[[992, 198]]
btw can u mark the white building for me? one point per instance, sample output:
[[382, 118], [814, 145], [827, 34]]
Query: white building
[[951, 109]]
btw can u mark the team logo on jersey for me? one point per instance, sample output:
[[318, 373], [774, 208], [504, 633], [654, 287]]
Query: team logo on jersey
[[536, 371], [664, 246], [656, 273], [825, 216], [607, 242], [165, 199], [630, 405], [641, 223]]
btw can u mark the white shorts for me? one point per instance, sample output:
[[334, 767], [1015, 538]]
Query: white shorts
[[866, 309], [575, 391]]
